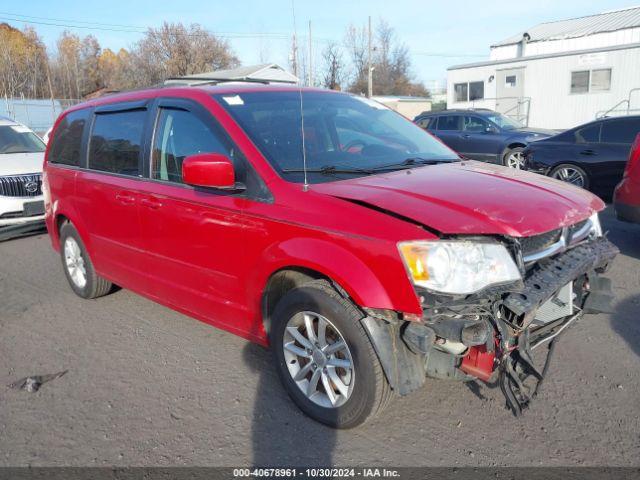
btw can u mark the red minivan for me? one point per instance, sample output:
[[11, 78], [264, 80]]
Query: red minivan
[[366, 253], [626, 197]]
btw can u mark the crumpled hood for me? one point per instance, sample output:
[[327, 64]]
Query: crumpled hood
[[471, 198], [21, 163]]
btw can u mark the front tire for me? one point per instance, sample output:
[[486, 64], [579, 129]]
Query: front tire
[[77, 265], [513, 158], [571, 174], [324, 357]]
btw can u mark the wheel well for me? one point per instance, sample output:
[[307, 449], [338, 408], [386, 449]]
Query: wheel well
[[60, 219], [279, 284], [515, 145]]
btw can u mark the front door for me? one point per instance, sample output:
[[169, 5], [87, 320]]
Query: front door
[[107, 193], [194, 236], [510, 92], [479, 138]]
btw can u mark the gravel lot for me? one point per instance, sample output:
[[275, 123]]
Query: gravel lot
[[148, 386]]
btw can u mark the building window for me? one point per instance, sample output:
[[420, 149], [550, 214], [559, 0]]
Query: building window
[[510, 81], [601, 80], [467, 92], [580, 82], [461, 92], [585, 81], [476, 90]]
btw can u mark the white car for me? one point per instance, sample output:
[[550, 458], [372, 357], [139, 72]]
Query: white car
[[21, 159]]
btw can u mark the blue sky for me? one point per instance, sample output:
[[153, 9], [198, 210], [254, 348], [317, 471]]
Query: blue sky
[[457, 29]]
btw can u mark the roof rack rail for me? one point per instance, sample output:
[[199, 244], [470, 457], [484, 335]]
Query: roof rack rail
[[196, 81]]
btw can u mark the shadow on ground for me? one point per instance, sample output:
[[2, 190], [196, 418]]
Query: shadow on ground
[[625, 321], [626, 236], [279, 435]]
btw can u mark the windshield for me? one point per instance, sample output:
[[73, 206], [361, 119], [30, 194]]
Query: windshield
[[19, 139], [344, 135], [505, 122]]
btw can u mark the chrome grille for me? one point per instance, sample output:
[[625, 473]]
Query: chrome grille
[[536, 243], [537, 247], [21, 185]]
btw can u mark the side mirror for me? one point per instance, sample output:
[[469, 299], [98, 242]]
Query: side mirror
[[491, 129], [212, 170]]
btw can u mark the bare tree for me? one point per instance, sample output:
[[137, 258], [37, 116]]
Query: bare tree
[[391, 62], [333, 67], [175, 50]]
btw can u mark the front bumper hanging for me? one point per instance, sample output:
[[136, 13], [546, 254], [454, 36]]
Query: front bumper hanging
[[518, 377]]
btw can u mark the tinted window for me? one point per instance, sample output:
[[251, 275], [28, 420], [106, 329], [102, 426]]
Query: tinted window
[[179, 134], [475, 124], [425, 122], [588, 134], [19, 139], [67, 139], [115, 142], [449, 122], [476, 90], [580, 81], [620, 131]]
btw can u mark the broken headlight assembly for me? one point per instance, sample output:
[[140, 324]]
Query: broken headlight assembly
[[458, 267]]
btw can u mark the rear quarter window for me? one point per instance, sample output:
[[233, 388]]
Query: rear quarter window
[[623, 130], [116, 140], [66, 143]]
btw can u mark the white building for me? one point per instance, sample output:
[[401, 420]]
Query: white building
[[557, 74]]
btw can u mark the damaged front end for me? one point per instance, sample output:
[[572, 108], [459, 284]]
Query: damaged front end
[[490, 335]]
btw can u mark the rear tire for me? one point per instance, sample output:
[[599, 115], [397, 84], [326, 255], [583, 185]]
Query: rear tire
[[360, 389], [572, 174], [77, 265]]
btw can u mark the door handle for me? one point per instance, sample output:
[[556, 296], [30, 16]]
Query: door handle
[[588, 152], [125, 199], [151, 203], [465, 135]]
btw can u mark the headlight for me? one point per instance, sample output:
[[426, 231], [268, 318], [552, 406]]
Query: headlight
[[596, 228], [458, 267]]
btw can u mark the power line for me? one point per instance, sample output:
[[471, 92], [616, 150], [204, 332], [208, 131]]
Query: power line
[[122, 28]]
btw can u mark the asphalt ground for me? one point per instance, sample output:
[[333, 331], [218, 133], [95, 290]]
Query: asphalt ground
[[150, 387]]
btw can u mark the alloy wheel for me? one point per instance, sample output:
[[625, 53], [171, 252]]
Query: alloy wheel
[[570, 175], [318, 359], [75, 262], [515, 160]]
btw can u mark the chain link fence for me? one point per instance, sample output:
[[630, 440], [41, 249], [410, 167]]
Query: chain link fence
[[37, 114]]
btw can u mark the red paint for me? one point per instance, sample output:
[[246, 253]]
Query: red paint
[[208, 170], [479, 363], [210, 256], [627, 193]]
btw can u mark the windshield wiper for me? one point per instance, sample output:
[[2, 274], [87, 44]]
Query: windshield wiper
[[330, 170], [413, 161]]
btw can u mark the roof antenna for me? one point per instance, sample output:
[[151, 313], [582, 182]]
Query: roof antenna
[[296, 63]]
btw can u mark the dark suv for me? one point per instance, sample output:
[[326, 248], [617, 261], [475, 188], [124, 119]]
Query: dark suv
[[482, 134]]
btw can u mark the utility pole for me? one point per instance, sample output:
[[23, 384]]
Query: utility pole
[[370, 68], [310, 58]]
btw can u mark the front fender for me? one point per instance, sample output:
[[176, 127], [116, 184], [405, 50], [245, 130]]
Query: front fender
[[331, 260]]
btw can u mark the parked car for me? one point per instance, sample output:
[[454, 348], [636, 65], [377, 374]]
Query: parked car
[[21, 158], [482, 134], [590, 156], [626, 197], [366, 267]]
